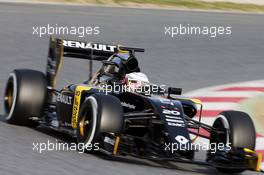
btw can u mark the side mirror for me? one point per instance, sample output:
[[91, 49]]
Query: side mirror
[[174, 91]]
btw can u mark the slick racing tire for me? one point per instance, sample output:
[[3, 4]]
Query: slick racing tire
[[239, 131], [25, 96], [98, 114]]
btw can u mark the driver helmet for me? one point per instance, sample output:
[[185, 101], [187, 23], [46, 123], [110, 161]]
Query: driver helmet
[[136, 80]]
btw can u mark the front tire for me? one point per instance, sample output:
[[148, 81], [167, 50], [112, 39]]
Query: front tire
[[25, 96], [239, 131], [99, 114]]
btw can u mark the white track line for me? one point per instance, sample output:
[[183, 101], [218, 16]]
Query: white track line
[[204, 91], [245, 94], [207, 120], [132, 7], [214, 92], [219, 106], [260, 143]]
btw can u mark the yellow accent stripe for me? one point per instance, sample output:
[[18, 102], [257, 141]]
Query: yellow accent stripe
[[81, 125], [256, 163], [76, 104], [116, 145], [249, 151], [258, 168], [196, 101], [121, 51]]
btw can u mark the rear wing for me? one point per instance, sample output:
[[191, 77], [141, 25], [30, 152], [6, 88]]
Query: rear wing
[[84, 50], [60, 48]]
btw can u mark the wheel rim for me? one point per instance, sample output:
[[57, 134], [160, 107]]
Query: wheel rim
[[222, 126], [82, 126], [10, 95], [85, 125]]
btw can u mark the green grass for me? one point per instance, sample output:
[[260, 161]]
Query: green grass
[[254, 107], [189, 4], [196, 4]]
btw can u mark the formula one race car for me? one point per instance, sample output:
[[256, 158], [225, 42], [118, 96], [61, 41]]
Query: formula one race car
[[118, 112]]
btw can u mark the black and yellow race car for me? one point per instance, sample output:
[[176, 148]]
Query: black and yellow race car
[[155, 123]]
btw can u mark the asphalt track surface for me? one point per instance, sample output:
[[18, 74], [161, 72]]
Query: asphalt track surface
[[188, 62]]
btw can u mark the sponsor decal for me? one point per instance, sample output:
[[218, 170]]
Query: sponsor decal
[[76, 104], [51, 66], [176, 121], [176, 124], [181, 139], [173, 118], [89, 45], [171, 112], [109, 140], [166, 101], [64, 99], [130, 106]]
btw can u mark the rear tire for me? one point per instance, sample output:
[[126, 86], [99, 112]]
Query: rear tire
[[242, 133], [25, 96], [99, 114]]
